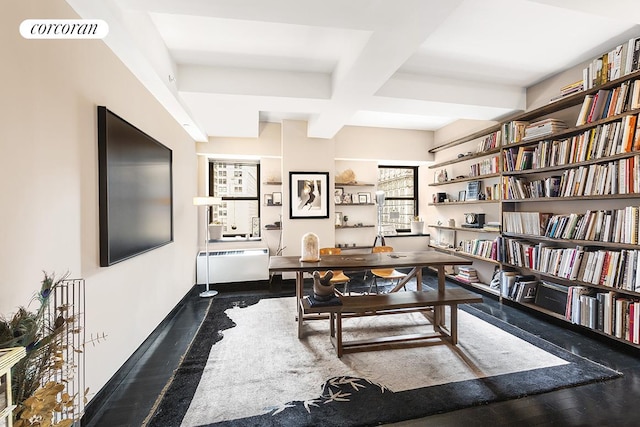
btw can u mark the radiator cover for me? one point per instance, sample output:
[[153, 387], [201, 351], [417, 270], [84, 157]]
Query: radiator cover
[[233, 265]]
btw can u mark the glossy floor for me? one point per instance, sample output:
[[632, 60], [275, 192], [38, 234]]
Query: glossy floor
[[599, 404]]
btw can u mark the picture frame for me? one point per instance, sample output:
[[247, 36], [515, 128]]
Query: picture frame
[[462, 195], [277, 198], [367, 197], [255, 226], [339, 221], [337, 195], [268, 199], [473, 189], [309, 195], [347, 199]]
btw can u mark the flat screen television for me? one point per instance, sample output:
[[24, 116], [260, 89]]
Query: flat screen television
[[135, 190]]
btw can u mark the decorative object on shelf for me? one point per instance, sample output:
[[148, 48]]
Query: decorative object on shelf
[[277, 198], [473, 220], [337, 195], [347, 199], [462, 196], [255, 226], [310, 248], [364, 197], [208, 202], [417, 225], [215, 230], [345, 220], [339, 220], [441, 197], [268, 199], [473, 189], [441, 176], [452, 222], [347, 176], [309, 195]]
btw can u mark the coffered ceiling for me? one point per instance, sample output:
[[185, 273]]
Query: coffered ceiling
[[222, 66]]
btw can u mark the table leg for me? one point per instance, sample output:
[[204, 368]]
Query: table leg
[[419, 279], [299, 296], [438, 311], [415, 271], [454, 324]]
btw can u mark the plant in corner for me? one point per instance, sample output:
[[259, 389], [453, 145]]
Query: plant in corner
[[40, 379]]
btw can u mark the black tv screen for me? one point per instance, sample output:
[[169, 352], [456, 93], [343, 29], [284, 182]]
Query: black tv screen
[[136, 191]]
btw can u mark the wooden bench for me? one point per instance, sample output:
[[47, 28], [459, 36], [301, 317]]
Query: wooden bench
[[429, 302]]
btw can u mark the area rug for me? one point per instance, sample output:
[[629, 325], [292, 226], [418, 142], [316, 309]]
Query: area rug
[[246, 367]]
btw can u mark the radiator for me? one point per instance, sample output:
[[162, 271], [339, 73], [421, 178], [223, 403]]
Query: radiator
[[233, 265]]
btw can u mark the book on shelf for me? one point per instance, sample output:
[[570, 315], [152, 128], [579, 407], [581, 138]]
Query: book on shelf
[[585, 110], [513, 131], [532, 223], [467, 274], [633, 55], [542, 128]]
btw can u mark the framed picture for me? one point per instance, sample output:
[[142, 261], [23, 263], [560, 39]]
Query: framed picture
[[337, 195], [347, 199], [473, 188], [277, 198], [462, 195], [268, 199], [365, 199], [309, 195], [255, 226], [339, 219]]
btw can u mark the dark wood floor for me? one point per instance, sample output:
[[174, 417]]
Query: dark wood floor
[[135, 389]]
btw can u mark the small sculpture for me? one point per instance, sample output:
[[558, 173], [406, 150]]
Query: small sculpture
[[322, 287], [346, 177]]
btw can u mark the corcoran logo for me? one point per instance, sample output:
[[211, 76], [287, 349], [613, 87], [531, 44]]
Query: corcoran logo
[[64, 29]]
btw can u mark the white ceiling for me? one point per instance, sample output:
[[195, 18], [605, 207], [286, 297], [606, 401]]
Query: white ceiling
[[222, 66]]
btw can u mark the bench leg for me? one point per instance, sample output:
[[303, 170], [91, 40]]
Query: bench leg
[[339, 334], [454, 324], [332, 324]]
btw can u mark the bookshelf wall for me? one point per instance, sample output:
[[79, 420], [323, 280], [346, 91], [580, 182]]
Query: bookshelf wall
[[563, 206]]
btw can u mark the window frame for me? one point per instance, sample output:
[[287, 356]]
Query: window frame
[[212, 185], [416, 192]]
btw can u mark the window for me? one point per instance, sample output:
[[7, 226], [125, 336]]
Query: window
[[240, 191], [400, 186]]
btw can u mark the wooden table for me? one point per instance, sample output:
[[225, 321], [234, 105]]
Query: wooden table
[[414, 260]]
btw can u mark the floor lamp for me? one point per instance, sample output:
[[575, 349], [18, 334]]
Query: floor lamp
[[380, 203], [208, 202]]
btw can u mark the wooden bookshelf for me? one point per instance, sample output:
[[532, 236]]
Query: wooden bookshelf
[[597, 126]]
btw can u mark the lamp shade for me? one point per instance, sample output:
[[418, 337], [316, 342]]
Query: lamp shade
[[207, 201]]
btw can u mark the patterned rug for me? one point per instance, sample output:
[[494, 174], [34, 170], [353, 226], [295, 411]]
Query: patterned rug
[[246, 367]]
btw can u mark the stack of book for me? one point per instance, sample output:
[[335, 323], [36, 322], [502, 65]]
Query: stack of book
[[542, 128], [467, 274], [492, 226], [569, 89]]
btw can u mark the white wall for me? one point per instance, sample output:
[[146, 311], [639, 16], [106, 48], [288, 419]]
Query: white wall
[[49, 182], [358, 148]]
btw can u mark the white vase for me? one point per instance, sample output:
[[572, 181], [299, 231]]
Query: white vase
[[215, 231], [417, 227]]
